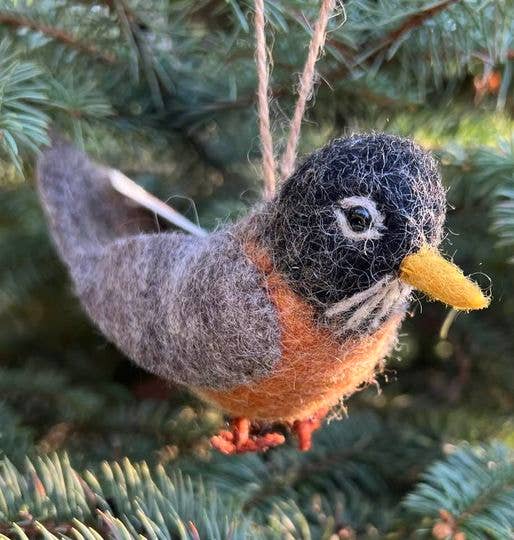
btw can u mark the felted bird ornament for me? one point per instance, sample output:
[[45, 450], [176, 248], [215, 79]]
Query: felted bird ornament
[[277, 317]]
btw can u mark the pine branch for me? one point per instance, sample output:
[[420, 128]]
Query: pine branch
[[410, 23], [112, 5], [126, 500], [415, 20], [62, 36], [471, 493], [23, 125], [134, 29], [31, 528], [503, 224], [353, 59], [311, 468]]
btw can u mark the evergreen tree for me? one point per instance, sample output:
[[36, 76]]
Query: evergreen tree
[[164, 90]]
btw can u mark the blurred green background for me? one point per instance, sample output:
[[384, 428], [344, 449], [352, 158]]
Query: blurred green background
[[164, 90]]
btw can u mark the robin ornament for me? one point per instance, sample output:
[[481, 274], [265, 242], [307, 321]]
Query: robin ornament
[[280, 316]]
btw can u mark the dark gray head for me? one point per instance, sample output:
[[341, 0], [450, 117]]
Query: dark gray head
[[352, 212]]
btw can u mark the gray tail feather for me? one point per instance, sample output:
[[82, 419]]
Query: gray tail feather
[[83, 210]]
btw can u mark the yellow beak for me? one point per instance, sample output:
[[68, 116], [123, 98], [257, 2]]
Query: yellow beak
[[441, 280]]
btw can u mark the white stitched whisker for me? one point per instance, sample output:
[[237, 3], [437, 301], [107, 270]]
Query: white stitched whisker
[[348, 303], [387, 303], [365, 310], [395, 296]]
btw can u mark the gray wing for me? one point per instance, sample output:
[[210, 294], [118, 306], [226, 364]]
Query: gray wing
[[189, 309]]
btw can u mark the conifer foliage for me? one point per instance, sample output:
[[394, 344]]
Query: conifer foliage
[[91, 447]]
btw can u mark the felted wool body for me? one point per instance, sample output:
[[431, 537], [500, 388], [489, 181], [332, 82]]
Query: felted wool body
[[186, 308], [274, 316], [316, 369]]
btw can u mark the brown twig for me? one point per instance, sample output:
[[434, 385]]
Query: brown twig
[[413, 21], [33, 530], [20, 21]]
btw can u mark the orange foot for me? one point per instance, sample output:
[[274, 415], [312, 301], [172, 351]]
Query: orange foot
[[240, 440], [305, 428]]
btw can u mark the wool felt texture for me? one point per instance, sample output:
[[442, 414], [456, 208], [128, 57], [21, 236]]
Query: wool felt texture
[[188, 309], [275, 316], [316, 370], [442, 279], [304, 239]]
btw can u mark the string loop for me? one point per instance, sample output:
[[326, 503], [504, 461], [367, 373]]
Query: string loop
[[268, 160], [306, 85], [305, 91]]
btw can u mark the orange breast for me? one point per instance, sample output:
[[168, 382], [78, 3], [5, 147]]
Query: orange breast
[[315, 370]]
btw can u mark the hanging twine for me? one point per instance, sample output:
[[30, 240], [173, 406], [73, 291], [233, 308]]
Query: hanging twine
[[305, 91], [306, 85], [268, 160]]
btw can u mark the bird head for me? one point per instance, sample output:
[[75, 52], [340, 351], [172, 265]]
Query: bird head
[[360, 221]]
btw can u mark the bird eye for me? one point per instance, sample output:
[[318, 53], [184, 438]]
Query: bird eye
[[359, 218]]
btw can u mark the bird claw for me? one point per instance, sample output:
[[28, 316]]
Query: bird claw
[[305, 428], [240, 440], [259, 443]]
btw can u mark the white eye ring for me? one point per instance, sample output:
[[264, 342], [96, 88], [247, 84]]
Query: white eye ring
[[377, 223]]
